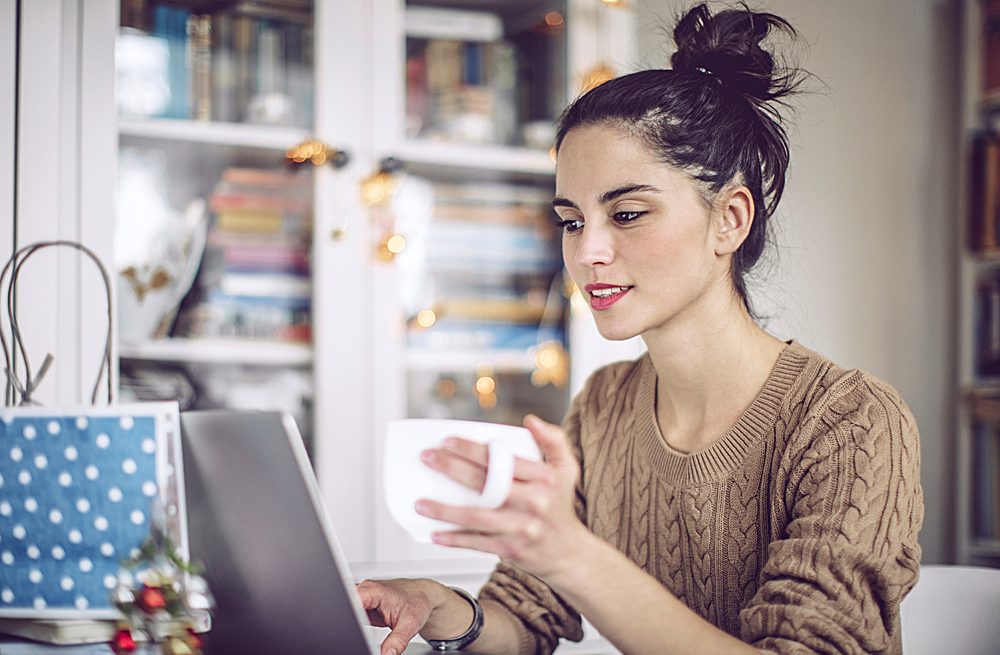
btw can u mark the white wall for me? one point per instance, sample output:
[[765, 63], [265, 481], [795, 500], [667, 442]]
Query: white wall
[[865, 266]]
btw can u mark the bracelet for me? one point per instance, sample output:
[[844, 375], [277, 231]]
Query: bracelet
[[469, 635]]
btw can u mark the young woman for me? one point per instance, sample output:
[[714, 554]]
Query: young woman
[[727, 492]]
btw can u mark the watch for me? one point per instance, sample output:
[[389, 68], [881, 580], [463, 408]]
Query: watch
[[469, 635]]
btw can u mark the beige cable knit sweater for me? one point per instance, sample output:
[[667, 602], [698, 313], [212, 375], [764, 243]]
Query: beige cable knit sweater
[[796, 531]]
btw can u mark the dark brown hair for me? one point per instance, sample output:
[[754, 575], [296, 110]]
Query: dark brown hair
[[716, 114]]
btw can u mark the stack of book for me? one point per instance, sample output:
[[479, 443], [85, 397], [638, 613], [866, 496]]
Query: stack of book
[[255, 280], [985, 409], [987, 323], [983, 234], [461, 76], [248, 60], [494, 258], [991, 50]]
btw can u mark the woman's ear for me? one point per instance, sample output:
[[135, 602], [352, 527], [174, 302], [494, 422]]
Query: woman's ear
[[734, 219]]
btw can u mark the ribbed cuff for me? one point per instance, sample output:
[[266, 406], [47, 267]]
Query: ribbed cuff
[[526, 642]]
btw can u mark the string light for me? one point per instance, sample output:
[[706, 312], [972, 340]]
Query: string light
[[395, 244], [596, 76], [486, 384], [426, 318]]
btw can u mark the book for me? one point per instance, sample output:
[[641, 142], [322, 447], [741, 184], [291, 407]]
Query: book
[[514, 310], [60, 632], [984, 206], [234, 317], [225, 201], [199, 63], [258, 221], [269, 177], [66, 632], [532, 215], [267, 258], [991, 47], [170, 23], [986, 311], [452, 24], [223, 70], [266, 284]]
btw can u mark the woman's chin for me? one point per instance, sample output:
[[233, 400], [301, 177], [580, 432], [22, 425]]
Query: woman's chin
[[615, 332]]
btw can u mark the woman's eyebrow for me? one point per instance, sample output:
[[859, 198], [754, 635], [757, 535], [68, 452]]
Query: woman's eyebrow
[[607, 196]]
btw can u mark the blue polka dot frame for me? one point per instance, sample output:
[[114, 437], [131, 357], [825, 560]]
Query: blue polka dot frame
[[78, 489]]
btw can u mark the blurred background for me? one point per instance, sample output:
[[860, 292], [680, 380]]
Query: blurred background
[[340, 209]]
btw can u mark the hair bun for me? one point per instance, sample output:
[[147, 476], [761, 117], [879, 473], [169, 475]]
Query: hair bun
[[728, 46]]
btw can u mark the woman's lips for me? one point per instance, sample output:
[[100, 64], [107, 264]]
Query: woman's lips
[[603, 296]]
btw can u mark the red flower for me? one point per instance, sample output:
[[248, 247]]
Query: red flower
[[151, 599], [123, 642]]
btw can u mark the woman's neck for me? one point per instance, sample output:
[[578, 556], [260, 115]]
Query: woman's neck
[[707, 377]]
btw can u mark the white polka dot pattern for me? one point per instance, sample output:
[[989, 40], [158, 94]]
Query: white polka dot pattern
[[75, 495]]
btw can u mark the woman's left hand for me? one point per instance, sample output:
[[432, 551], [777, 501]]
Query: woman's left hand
[[536, 528]]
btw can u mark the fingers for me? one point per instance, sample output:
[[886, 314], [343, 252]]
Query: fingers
[[471, 518], [465, 462], [397, 640], [384, 610], [457, 466], [370, 594], [551, 440]]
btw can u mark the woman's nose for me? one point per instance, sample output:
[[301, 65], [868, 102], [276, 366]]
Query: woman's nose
[[594, 245]]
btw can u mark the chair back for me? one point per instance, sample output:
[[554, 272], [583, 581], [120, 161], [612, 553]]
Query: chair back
[[953, 610]]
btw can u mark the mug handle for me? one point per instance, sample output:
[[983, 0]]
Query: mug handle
[[499, 474]]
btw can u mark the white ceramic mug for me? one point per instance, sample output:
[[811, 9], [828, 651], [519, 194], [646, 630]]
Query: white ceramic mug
[[408, 479]]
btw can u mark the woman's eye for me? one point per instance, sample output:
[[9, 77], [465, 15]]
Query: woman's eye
[[570, 225], [627, 217]]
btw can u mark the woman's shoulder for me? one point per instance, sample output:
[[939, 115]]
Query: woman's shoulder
[[611, 379], [829, 396], [614, 388]]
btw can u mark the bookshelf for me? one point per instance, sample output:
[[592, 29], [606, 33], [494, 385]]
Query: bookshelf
[[978, 393], [478, 143], [219, 351], [156, 162], [209, 99]]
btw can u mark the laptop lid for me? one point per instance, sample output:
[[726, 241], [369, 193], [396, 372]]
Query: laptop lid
[[258, 526]]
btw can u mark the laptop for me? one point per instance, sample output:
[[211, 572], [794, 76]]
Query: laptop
[[269, 553]]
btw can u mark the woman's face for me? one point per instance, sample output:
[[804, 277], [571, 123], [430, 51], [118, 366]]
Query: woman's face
[[637, 238]]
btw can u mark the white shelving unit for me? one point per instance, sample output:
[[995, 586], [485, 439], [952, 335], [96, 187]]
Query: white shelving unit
[[219, 351], [213, 133], [977, 113], [500, 159]]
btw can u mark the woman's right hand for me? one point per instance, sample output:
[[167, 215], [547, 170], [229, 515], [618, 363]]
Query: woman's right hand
[[403, 605]]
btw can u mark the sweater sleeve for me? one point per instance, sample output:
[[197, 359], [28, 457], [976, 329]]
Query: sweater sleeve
[[834, 582], [542, 616]]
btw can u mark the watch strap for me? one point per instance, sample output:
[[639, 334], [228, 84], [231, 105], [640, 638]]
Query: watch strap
[[469, 635]]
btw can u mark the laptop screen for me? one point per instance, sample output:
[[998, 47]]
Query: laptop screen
[[258, 527]]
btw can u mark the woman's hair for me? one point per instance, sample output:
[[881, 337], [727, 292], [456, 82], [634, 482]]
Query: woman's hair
[[714, 115]]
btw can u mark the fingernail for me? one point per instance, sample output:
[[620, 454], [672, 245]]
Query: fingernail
[[391, 651], [427, 456], [421, 506], [450, 442]]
